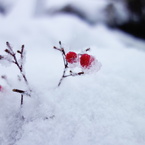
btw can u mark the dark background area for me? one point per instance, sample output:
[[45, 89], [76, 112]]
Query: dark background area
[[134, 25], [136, 22]]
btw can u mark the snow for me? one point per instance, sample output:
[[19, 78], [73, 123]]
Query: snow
[[103, 108]]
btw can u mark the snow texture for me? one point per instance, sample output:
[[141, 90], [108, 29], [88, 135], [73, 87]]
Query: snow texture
[[103, 108]]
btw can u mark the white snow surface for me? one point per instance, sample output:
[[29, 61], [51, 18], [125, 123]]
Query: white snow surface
[[102, 108]]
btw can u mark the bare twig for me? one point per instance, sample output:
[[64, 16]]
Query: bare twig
[[57, 48], [20, 66], [63, 76], [15, 61], [88, 49], [22, 92], [22, 100]]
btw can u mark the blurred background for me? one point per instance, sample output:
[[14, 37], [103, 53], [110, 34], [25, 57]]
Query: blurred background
[[68, 20]]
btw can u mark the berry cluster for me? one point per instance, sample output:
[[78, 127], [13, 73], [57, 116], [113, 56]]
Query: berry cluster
[[86, 62]]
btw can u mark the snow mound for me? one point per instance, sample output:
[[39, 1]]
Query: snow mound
[[104, 108]]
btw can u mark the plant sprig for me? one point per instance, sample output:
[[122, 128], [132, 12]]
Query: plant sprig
[[64, 75], [19, 62], [15, 60]]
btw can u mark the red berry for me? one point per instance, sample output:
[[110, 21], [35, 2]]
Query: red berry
[[86, 60], [1, 88], [71, 57]]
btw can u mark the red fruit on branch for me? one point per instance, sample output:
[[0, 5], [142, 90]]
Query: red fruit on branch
[[86, 60], [1, 88], [71, 57]]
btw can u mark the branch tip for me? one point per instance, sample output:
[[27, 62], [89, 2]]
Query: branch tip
[[7, 43], [88, 49], [23, 46], [59, 42]]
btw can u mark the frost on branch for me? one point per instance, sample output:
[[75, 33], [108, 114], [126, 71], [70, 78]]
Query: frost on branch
[[86, 62]]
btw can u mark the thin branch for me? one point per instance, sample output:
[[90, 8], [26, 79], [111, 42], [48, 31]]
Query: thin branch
[[20, 65], [61, 49], [57, 48], [9, 46], [22, 92], [88, 49], [74, 74], [63, 76], [22, 95], [22, 56], [15, 61], [22, 100]]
